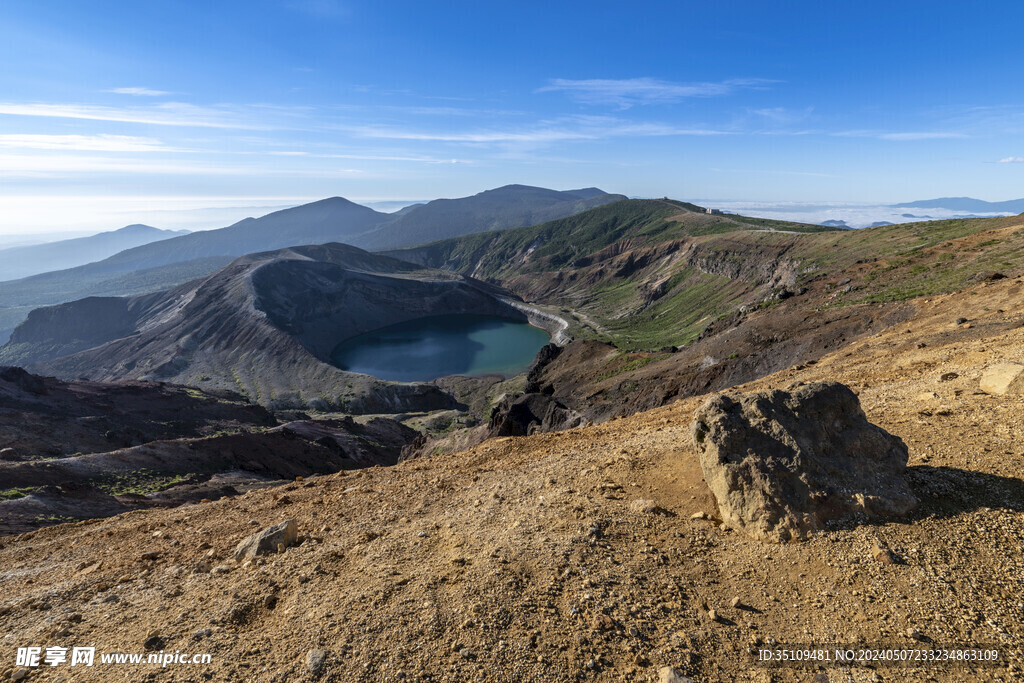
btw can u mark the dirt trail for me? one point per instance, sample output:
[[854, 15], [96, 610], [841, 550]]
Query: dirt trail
[[530, 559]]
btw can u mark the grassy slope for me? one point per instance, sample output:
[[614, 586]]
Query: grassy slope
[[611, 270]]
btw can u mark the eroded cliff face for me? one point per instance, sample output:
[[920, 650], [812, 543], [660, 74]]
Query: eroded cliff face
[[264, 326], [322, 304]]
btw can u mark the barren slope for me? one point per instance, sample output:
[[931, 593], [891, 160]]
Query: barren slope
[[528, 559]]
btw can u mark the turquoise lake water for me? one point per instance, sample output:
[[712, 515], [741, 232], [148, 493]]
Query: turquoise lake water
[[427, 348]]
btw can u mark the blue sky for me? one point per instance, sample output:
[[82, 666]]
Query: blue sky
[[112, 112]]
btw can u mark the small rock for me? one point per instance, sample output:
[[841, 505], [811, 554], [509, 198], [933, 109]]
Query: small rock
[[643, 505], [699, 515], [667, 674], [267, 540], [1003, 378], [884, 555], [19, 674], [89, 569], [961, 321], [946, 376], [713, 615], [736, 603], [602, 622], [315, 660], [913, 634], [150, 556], [154, 642]]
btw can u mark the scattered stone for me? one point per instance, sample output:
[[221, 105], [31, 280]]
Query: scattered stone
[[643, 505], [736, 603], [699, 515], [268, 540], [713, 615], [19, 674], [150, 556], [785, 464], [884, 555], [1003, 378], [602, 622], [914, 634], [667, 674], [315, 661], [946, 376], [154, 642], [89, 569], [961, 321]]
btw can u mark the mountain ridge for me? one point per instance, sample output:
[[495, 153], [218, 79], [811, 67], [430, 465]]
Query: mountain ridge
[[25, 261], [969, 204], [335, 219]]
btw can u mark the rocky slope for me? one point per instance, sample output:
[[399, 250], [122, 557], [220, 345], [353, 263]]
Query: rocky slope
[[82, 449], [263, 326], [591, 554]]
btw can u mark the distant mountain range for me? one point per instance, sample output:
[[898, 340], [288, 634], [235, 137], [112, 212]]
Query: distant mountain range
[[967, 204], [338, 220], [154, 267], [19, 262]]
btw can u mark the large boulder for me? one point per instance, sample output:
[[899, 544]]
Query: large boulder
[[785, 464]]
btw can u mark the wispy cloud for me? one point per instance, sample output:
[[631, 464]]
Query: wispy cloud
[[562, 130], [88, 143], [782, 115], [901, 137], [66, 165], [1012, 160], [625, 93], [926, 135], [368, 157], [165, 114], [139, 92]]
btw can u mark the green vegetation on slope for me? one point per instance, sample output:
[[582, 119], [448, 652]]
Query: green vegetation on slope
[[645, 274]]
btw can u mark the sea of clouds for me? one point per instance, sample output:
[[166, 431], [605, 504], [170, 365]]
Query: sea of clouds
[[853, 215]]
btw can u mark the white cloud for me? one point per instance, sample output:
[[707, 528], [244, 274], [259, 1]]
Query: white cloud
[[140, 92], [625, 93], [166, 114], [89, 143], [1012, 160], [562, 130], [921, 136], [901, 137], [65, 165], [368, 157]]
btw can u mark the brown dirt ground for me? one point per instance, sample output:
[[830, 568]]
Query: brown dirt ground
[[523, 559]]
